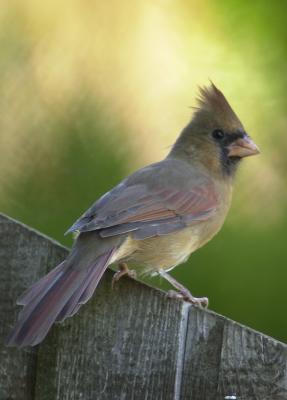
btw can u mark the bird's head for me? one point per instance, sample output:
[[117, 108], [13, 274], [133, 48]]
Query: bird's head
[[215, 137]]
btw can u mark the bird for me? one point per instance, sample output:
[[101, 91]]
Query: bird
[[150, 222]]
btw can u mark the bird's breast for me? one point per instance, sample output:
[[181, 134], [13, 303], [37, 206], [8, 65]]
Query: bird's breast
[[165, 252], [161, 252]]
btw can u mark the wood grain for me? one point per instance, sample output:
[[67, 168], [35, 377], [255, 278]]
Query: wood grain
[[124, 346], [225, 360], [25, 255], [128, 343]]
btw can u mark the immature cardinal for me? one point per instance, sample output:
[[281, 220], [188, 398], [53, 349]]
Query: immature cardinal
[[151, 221]]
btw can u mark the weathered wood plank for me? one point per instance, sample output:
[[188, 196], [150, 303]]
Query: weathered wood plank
[[25, 255], [125, 345], [128, 343], [225, 360]]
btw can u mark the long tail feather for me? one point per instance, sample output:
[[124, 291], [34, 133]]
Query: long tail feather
[[91, 281], [38, 287], [55, 297]]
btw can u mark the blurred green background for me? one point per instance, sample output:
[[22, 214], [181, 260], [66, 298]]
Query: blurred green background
[[91, 91]]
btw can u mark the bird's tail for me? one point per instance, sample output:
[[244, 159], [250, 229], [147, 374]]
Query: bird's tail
[[55, 297]]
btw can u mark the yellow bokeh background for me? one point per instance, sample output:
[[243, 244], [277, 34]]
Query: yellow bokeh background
[[92, 90]]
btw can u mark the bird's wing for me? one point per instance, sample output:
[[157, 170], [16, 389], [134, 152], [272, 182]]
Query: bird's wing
[[150, 205]]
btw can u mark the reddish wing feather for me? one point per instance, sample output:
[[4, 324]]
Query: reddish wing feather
[[175, 203], [153, 205], [150, 216]]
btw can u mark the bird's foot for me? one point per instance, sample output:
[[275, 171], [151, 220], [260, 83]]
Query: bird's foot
[[123, 271], [182, 292], [187, 296]]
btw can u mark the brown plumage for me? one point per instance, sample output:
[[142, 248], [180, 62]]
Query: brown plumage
[[212, 101], [152, 221]]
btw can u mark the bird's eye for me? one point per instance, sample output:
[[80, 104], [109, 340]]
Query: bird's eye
[[218, 134]]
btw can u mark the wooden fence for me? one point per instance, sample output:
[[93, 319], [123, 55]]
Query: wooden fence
[[130, 343]]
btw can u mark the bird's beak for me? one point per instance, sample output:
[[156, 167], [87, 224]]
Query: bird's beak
[[243, 147]]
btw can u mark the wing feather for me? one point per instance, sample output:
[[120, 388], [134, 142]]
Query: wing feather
[[146, 209]]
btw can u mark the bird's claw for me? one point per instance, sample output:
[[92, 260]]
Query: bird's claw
[[123, 272], [187, 296]]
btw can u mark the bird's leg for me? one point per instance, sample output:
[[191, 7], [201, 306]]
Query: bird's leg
[[182, 292], [123, 271]]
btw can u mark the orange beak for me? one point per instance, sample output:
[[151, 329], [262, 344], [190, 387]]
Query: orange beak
[[243, 147]]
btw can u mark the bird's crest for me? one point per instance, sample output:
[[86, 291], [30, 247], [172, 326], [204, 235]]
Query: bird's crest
[[212, 100]]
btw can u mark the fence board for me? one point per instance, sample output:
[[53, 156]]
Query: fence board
[[25, 255], [130, 343]]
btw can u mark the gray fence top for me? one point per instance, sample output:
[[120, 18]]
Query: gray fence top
[[128, 343]]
